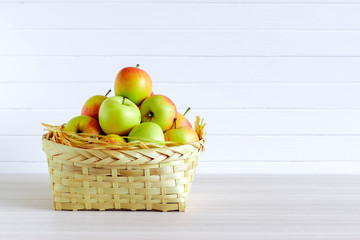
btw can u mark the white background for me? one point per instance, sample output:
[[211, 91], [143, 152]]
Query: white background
[[278, 82]]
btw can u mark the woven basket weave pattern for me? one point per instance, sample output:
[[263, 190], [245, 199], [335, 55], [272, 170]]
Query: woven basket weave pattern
[[143, 179]]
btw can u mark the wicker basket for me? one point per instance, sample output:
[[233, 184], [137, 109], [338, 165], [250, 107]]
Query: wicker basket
[[143, 179]]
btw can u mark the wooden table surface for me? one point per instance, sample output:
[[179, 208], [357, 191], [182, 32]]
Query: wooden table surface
[[220, 207]]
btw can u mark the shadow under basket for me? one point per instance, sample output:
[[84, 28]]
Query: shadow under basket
[[144, 179]]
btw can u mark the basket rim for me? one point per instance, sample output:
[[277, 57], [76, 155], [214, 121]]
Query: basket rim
[[201, 142], [135, 156]]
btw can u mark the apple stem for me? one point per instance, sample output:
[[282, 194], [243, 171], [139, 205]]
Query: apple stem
[[188, 109], [123, 100], [137, 65], [175, 122], [107, 92]]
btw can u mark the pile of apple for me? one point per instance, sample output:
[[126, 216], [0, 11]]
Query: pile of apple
[[134, 113]]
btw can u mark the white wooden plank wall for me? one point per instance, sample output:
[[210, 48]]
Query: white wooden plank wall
[[278, 82]]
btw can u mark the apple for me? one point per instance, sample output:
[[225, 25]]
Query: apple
[[181, 121], [83, 124], [152, 93], [146, 132], [118, 115], [114, 138], [158, 109], [134, 84], [181, 136], [92, 105]]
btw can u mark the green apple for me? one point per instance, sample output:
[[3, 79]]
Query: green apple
[[92, 105], [146, 132], [158, 109], [118, 115], [181, 136], [83, 124]]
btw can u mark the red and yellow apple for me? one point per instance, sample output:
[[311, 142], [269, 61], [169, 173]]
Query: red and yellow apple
[[83, 124], [146, 132], [181, 136], [181, 121], [114, 138], [160, 110], [134, 84], [118, 115], [92, 105]]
